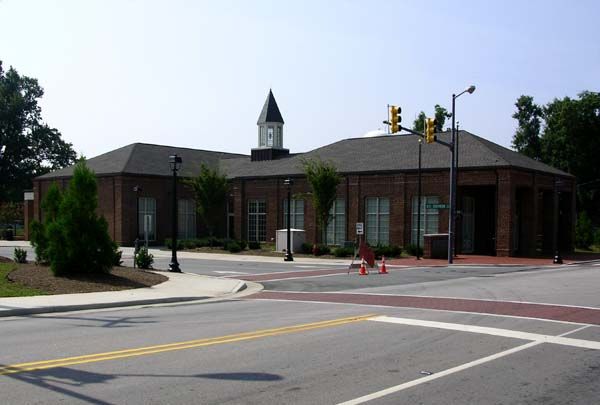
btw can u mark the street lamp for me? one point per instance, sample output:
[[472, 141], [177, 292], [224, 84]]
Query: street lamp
[[419, 204], [288, 252], [174, 162], [469, 90], [137, 189], [555, 241]]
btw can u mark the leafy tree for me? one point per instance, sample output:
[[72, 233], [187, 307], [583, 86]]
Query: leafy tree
[[50, 207], [529, 117], [323, 179], [419, 122], [77, 240], [584, 231], [570, 141], [28, 146], [441, 114], [210, 192], [9, 212]]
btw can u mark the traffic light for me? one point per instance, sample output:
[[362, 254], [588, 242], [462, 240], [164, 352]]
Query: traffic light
[[430, 125], [395, 118]]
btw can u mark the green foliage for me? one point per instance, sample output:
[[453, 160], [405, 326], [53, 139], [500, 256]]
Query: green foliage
[[320, 249], [233, 247], [584, 231], [419, 122], [323, 179], [440, 115], [412, 250], [32, 147], [387, 251], [529, 117], [10, 212], [243, 244], [73, 238], [143, 259], [597, 237], [20, 255], [306, 248], [569, 140], [343, 252], [169, 243], [253, 245], [210, 192]]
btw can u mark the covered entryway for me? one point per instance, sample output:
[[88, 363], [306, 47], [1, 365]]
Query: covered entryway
[[476, 220]]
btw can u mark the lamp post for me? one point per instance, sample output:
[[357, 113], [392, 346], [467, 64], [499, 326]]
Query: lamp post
[[469, 90], [137, 189], [288, 252], [174, 162], [555, 241]]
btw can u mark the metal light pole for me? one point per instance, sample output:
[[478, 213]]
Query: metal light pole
[[174, 162], [137, 189], [555, 241], [288, 252], [419, 203], [451, 215]]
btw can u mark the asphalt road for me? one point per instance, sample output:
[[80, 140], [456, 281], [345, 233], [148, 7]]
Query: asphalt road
[[273, 351]]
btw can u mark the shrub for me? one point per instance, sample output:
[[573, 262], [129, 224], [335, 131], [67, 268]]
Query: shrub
[[320, 249], [253, 245], [144, 259], [412, 250], [117, 258], [7, 234], [20, 255], [189, 243], [343, 252], [243, 244], [584, 231], [77, 238], [169, 243], [597, 237], [387, 251], [306, 248], [234, 247]]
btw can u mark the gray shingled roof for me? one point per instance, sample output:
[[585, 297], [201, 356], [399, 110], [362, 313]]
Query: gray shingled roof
[[270, 111], [147, 159], [390, 153], [355, 155]]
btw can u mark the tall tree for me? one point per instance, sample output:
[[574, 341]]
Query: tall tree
[[529, 118], [28, 146], [440, 115], [323, 179], [210, 192]]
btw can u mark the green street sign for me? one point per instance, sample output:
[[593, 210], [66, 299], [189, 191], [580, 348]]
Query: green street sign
[[437, 206]]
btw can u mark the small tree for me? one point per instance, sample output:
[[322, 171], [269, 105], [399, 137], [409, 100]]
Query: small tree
[[73, 238], [584, 231], [50, 205], [210, 192], [323, 179]]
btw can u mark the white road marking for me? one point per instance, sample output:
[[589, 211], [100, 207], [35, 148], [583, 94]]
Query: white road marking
[[437, 375], [229, 272], [307, 267], [536, 337], [452, 370]]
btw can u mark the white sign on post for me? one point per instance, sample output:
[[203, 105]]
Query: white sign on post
[[360, 228]]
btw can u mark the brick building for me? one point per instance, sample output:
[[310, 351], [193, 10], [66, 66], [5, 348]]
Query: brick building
[[505, 201]]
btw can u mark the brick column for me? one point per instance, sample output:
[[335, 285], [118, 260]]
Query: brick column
[[504, 217]]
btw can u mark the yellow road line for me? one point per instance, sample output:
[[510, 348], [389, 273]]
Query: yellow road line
[[141, 351]]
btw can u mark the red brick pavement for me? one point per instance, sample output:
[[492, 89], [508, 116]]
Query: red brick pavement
[[540, 311]]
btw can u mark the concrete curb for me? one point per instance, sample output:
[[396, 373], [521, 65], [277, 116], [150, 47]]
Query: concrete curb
[[22, 306]]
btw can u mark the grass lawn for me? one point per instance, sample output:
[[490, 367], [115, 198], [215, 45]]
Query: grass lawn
[[10, 289]]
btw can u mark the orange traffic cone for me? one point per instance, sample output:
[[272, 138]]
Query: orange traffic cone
[[363, 269], [382, 269]]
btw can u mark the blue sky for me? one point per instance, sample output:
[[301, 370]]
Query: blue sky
[[196, 73]]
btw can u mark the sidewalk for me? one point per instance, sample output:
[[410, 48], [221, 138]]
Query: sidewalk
[[180, 287]]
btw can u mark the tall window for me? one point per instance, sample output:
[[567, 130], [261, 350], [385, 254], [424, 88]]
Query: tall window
[[186, 219], [147, 217], [263, 137], [279, 141], [378, 221], [296, 214], [257, 220], [336, 228], [270, 136], [429, 217]]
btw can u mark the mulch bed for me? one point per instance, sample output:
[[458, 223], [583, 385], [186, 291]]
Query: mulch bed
[[119, 278]]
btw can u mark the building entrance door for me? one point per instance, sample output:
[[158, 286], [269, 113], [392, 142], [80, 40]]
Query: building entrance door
[[468, 224]]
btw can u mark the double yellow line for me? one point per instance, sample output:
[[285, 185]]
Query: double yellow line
[[142, 351]]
